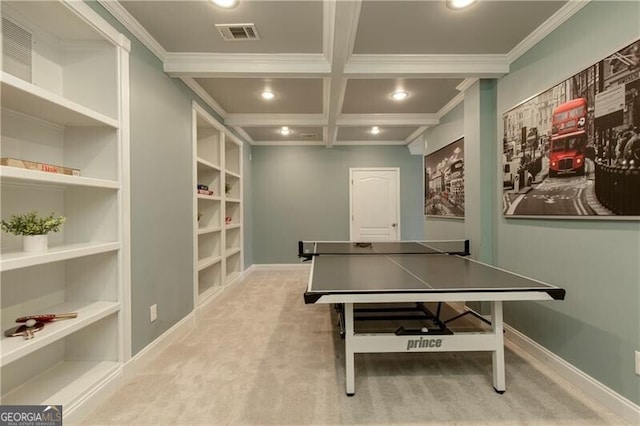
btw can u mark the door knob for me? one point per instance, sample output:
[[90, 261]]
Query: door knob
[[394, 224]]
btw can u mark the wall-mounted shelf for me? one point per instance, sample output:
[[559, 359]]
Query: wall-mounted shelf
[[19, 259], [88, 313]]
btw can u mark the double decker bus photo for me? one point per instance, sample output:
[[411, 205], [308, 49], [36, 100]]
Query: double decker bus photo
[[568, 138]]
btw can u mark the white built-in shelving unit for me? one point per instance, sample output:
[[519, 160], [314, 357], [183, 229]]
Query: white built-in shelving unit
[[64, 100], [218, 248], [233, 208]]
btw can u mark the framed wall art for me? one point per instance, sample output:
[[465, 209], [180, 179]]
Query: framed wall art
[[444, 181], [573, 151]]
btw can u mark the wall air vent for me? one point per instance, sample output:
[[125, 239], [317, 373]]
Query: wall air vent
[[309, 135], [238, 32], [16, 50]]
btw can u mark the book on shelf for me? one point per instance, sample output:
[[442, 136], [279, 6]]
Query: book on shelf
[[43, 167], [205, 191], [201, 186]]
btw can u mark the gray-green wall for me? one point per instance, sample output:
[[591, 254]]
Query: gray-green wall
[[161, 193], [161, 200], [597, 327], [302, 193]]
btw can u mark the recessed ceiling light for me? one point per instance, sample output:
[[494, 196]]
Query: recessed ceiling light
[[375, 130], [459, 4], [227, 4], [268, 95], [399, 95], [284, 131]]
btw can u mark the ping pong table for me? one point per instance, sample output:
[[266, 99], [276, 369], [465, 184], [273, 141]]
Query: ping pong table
[[347, 273]]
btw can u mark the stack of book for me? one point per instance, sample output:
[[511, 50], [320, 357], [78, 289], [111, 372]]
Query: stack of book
[[204, 189], [42, 167]]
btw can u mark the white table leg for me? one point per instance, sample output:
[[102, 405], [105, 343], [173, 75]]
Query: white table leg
[[498, 355], [348, 349]]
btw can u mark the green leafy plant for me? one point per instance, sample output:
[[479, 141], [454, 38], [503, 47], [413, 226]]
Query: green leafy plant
[[227, 188], [32, 224]]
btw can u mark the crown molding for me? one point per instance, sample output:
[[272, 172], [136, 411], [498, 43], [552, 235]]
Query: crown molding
[[245, 135], [213, 121], [413, 136], [459, 98], [559, 18], [195, 64], [427, 66], [417, 146], [387, 120], [265, 120], [134, 27], [198, 90], [92, 19], [466, 83]]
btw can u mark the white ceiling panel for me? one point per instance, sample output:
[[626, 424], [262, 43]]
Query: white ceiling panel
[[258, 134], [373, 96], [429, 27], [243, 95], [364, 133], [189, 25]]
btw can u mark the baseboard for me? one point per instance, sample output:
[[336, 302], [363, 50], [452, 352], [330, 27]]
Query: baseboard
[[138, 362], [221, 291], [99, 393], [605, 396], [279, 267]]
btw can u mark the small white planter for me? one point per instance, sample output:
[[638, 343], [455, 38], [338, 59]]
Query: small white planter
[[35, 243]]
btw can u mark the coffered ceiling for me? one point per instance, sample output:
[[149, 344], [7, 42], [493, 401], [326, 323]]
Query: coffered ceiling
[[332, 65]]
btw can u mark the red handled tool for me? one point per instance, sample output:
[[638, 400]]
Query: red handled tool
[[47, 317]]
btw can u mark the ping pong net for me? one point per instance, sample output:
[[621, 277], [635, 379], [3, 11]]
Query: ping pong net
[[308, 249]]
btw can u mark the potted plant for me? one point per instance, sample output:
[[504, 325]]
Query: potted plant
[[227, 188], [33, 228]]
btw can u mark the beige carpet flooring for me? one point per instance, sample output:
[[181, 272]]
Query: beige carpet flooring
[[260, 356]]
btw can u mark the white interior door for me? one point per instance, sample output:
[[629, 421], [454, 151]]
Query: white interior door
[[374, 204]]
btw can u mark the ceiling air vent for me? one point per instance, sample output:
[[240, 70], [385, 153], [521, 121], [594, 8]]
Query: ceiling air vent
[[238, 32], [309, 135]]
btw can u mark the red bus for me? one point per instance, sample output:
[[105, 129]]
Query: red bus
[[568, 138]]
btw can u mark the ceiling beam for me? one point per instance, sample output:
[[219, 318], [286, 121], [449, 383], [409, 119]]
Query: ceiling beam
[[363, 143], [427, 66], [345, 16], [287, 143], [387, 120], [249, 65], [266, 120]]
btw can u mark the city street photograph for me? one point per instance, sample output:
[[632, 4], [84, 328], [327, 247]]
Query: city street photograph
[[574, 150]]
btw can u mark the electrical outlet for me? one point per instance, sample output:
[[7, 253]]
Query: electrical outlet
[[638, 363], [153, 312]]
